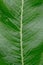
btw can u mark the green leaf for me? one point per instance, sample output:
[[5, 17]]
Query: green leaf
[[21, 32]]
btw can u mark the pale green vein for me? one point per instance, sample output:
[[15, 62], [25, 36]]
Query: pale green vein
[[22, 58]]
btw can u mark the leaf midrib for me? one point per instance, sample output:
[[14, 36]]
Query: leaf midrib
[[21, 43]]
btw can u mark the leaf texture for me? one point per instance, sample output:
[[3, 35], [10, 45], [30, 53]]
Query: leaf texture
[[21, 32]]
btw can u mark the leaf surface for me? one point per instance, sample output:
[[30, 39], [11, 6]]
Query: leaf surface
[[21, 32]]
